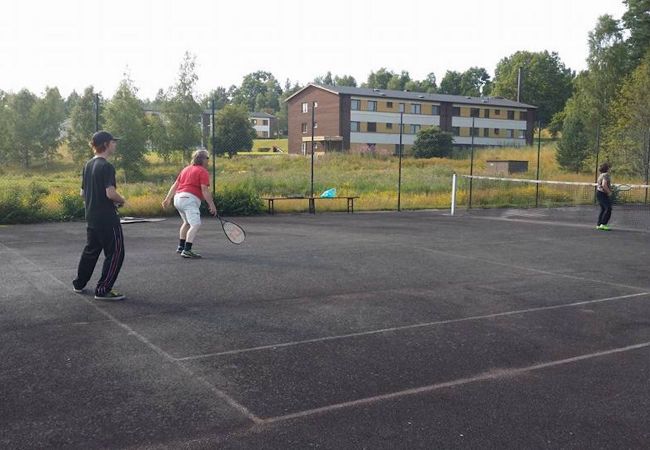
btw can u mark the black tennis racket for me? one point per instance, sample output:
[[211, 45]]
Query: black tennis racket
[[233, 232]]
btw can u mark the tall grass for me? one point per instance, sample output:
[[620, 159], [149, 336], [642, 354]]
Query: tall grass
[[51, 193]]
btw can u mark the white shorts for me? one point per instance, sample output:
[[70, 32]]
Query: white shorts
[[188, 207]]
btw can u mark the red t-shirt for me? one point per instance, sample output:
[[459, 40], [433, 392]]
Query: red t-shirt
[[191, 178]]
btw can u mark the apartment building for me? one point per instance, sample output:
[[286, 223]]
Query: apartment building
[[265, 125], [362, 120]]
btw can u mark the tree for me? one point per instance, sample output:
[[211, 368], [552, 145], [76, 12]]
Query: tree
[[82, 126], [637, 21], [156, 133], [49, 115], [70, 102], [451, 83], [125, 118], [326, 79], [234, 130], [22, 121], [399, 82], [431, 142], [283, 121], [5, 129], [573, 147], [625, 140], [345, 80], [546, 82], [379, 79], [473, 81], [259, 91], [181, 110]]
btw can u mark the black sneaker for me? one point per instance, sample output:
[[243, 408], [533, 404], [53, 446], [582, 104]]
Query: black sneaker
[[179, 249], [78, 291], [110, 296]]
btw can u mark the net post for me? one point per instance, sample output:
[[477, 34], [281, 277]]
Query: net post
[[453, 193]]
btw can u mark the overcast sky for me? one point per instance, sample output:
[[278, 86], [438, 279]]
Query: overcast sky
[[72, 44]]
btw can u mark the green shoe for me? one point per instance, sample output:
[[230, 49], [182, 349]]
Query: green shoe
[[190, 254], [606, 228]]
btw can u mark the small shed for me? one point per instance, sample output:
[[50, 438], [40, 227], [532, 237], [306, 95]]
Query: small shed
[[501, 166]]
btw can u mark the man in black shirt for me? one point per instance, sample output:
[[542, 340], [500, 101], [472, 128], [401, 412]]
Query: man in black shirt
[[103, 232]]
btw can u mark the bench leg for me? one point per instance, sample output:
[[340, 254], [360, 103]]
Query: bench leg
[[271, 207]]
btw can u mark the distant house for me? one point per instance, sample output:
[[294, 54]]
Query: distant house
[[362, 120], [265, 125]]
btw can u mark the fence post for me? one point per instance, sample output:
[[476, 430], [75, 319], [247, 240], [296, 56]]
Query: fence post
[[453, 193]]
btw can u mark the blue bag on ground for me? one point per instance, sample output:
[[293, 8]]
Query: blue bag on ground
[[329, 193]]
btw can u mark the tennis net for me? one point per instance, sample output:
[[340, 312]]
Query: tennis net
[[563, 200]]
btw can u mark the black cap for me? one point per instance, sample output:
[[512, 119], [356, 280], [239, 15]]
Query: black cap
[[101, 137]]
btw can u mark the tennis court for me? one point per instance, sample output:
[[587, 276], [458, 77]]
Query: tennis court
[[490, 329]]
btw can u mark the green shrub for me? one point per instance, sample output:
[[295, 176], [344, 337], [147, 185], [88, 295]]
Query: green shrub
[[72, 206], [239, 200], [23, 206]]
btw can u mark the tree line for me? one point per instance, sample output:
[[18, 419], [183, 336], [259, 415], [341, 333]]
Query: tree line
[[601, 109]]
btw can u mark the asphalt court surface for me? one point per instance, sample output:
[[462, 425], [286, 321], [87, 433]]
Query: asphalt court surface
[[497, 329]]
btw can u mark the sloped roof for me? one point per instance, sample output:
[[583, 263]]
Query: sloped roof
[[261, 115], [417, 96]]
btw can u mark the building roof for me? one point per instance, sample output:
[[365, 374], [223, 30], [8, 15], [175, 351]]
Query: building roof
[[261, 115], [417, 96]]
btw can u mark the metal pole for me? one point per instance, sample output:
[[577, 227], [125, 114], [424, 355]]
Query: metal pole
[[471, 167], [96, 112], [453, 193], [313, 109], [597, 155], [214, 153], [539, 147], [399, 179], [647, 163]]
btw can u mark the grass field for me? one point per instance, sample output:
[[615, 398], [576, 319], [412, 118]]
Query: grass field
[[426, 183]]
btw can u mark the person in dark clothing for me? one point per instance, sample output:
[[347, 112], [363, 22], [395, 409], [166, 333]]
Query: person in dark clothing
[[103, 231], [603, 194]]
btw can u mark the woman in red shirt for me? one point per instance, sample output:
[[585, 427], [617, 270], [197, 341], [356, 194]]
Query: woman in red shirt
[[191, 185]]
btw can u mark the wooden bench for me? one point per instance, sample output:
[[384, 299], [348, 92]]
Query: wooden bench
[[311, 202]]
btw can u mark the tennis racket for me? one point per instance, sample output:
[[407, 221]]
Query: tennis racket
[[233, 232], [617, 190]]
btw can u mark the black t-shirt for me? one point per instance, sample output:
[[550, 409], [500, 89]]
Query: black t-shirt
[[98, 174]]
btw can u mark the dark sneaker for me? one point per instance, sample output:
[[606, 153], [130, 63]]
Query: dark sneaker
[[179, 249], [189, 254], [110, 296]]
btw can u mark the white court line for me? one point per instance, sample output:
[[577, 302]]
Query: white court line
[[218, 392], [529, 269], [485, 376], [408, 327]]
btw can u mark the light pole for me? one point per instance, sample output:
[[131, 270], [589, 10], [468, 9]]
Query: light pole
[[399, 177]]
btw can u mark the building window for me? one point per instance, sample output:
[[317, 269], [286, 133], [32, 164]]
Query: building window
[[304, 127], [455, 111], [372, 127], [511, 115], [455, 131], [497, 112], [265, 134], [486, 113], [303, 148], [473, 132], [401, 107], [315, 104], [315, 124], [389, 126], [474, 112], [372, 105], [265, 122], [496, 131], [389, 105], [416, 108], [355, 126], [522, 134], [435, 110], [523, 115], [486, 132], [414, 129], [355, 105], [509, 133], [305, 107]]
